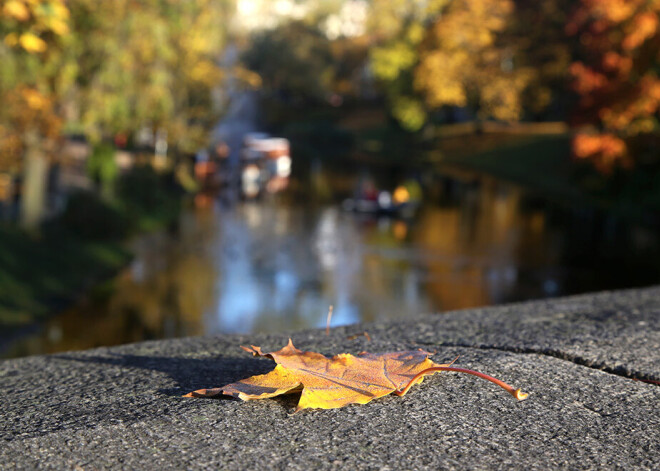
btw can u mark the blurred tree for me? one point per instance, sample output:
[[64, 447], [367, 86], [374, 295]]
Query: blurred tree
[[466, 60], [616, 79], [350, 56], [149, 63], [104, 68], [294, 62], [538, 32], [33, 36], [496, 58], [398, 28]]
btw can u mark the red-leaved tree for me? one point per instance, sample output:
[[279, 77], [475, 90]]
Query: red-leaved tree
[[616, 79]]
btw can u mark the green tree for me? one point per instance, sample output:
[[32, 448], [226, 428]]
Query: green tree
[[294, 62], [149, 63], [398, 28]]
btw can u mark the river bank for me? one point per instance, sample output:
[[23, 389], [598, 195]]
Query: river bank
[[478, 240], [251, 267], [543, 164], [44, 271], [536, 156]]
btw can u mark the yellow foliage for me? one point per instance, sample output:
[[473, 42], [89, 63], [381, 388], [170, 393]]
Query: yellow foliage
[[17, 10], [415, 33], [387, 63], [35, 17], [248, 77], [11, 39], [34, 99], [409, 112], [463, 63], [207, 72], [32, 43], [59, 26], [60, 9], [440, 76]]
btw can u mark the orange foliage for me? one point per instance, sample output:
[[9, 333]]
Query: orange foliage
[[605, 150], [25, 108], [617, 81], [328, 383]]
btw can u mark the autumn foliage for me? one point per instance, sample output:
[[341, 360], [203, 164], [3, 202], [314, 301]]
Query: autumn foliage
[[103, 69], [465, 60], [108, 68], [31, 34], [594, 63], [615, 78], [328, 383]]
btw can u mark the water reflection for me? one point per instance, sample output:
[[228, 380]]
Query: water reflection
[[272, 266]]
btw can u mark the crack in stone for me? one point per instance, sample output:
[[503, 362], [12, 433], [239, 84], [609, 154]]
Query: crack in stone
[[617, 371], [604, 415]]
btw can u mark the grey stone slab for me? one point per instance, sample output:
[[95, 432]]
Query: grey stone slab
[[121, 408], [616, 331]]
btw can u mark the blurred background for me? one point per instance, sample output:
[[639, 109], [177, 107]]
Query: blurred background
[[174, 168]]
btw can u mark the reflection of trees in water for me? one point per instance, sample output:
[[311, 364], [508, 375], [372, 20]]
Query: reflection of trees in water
[[283, 266], [478, 247], [390, 281], [272, 266], [452, 279], [273, 269]]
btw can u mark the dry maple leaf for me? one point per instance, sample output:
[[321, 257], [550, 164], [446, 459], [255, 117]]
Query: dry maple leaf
[[328, 383]]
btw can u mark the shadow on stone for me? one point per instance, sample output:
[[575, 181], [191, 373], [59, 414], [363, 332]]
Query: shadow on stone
[[189, 374], [113, 388]]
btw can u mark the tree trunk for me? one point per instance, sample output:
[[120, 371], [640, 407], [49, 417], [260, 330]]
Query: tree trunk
[[160, 146], [35, 177]]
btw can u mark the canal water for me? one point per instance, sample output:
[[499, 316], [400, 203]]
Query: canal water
[[277, 265]]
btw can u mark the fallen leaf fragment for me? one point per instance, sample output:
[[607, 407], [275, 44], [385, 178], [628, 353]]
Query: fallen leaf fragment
[[328, 383]]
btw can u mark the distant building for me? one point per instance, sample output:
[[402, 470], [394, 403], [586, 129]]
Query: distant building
[[348, 21], [254, 15]]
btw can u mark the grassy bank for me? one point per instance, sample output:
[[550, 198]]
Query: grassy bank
[[542, 163], [39, 274], [42, 272], [539, 162]]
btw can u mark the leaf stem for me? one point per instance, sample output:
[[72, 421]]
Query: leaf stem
[[517, 393]]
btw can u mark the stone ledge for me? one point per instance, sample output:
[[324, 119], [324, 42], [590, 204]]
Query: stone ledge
[[121, 407]]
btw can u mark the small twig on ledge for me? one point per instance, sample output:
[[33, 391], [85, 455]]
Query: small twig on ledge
[[365, 333], [327, 322]]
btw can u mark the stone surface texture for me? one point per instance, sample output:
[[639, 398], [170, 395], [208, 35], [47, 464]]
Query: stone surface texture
[[577, 357]]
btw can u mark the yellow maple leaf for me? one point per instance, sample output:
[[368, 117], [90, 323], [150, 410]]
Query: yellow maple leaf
[[328, 383]]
